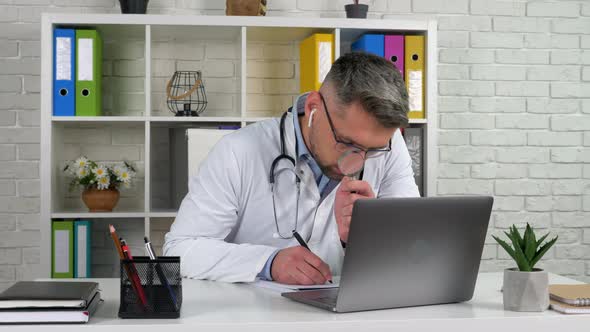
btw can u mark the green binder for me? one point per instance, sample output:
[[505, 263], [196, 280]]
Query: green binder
[[88, 73], [62, 249]]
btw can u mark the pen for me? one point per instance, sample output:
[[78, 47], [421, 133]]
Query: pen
[[133, 275], [129, 269], [302, 243], [159, 271]]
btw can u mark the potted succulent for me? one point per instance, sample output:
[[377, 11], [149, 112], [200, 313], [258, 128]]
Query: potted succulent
[[356, 10], [100, 182], [526, 288]]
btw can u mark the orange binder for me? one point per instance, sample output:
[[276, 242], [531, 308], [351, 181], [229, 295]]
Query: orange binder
[[415, 75], [316, 54]]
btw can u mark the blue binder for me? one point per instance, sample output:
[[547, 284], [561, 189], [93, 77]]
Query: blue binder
[[64, 61], [82, 249], [371, 44]]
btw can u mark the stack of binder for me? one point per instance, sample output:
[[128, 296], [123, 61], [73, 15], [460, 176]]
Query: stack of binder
[[49, 302], [71, 249], [407, 54], [77, 72], [570, 299]]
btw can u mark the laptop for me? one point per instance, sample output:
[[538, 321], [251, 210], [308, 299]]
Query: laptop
[[404, 252]]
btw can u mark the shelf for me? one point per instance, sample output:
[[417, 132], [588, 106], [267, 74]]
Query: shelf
[[162, 214], [97, 215], [250, 68], [172, 119], [202, 119], [98, 118], [102, 215]]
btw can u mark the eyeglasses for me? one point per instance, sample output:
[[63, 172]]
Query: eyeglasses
[[343, 146]]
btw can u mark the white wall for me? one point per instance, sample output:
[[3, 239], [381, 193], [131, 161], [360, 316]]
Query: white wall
[[514, 98]]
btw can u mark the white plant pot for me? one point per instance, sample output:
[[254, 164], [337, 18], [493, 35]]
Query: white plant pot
[[526, 291]]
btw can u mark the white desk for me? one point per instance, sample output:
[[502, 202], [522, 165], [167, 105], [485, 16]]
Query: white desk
[[215, 306]]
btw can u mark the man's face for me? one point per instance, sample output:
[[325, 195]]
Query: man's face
[[351, 125]]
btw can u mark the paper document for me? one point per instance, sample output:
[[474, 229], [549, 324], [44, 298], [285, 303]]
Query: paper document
[[279, 287]]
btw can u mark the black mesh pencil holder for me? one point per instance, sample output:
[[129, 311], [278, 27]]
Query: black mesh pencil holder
[[150, 288]]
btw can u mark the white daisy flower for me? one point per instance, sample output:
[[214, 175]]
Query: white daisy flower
[[125, 176], [117, 170], [103, 183], [81, 162], [100, 171], [81, 172]]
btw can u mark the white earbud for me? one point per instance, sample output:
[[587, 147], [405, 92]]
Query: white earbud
[[311, 117], [276, 235]]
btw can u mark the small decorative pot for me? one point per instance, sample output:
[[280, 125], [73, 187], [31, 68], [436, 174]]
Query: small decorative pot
[[245, 7], [133, 6], [100, 200], [356, 11], [526, 291]]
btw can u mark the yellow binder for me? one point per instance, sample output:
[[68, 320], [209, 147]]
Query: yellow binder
[[415, 75], [316, 54]]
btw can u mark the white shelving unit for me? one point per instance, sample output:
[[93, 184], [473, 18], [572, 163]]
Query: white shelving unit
[[142, 51]]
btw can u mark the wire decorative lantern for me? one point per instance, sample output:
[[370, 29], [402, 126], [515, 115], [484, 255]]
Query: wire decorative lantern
[[185, 93]]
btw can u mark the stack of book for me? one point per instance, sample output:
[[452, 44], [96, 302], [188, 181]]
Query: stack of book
[[570, 299], [41, 302]]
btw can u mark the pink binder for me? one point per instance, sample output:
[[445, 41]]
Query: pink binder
[[394, 51]]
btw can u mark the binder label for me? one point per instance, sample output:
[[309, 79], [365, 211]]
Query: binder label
[[63, 47], [81, 238], [325, 57], [415, 90], [62, 251], [85, 60]]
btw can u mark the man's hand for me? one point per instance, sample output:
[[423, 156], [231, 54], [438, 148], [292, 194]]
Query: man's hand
[[348, 192], [299, 266]]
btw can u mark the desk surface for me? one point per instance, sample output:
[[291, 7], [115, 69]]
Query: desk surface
[[216, 306]]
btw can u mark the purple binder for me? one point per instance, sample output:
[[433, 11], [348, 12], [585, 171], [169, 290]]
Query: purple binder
[[394, 51]]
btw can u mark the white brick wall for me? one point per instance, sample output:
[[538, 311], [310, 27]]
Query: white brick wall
[[514, 94]]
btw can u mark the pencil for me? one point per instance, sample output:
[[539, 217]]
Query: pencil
[[116, 240]]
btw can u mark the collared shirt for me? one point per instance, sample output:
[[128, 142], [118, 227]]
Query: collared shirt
[[325, 184], [304, 155]]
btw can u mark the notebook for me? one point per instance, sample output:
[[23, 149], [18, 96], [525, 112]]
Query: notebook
[[569, 309], [279, 287], [48, 294], [51, 315], [574, 295]]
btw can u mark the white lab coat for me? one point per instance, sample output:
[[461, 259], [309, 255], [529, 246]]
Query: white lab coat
[[225, 225]]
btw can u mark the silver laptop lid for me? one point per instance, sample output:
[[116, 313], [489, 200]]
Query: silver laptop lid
[[413, 251]]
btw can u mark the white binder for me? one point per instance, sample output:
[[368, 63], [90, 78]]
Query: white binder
[[200, 142]]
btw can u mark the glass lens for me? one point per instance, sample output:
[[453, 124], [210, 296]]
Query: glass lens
[[351, 163]]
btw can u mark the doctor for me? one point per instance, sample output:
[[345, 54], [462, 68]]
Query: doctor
[[271, 178]]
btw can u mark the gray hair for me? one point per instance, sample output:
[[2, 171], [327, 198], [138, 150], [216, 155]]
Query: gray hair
[[375, 83]]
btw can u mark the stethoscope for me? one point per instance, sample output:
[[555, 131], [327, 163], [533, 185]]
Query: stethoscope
[[272, 179]]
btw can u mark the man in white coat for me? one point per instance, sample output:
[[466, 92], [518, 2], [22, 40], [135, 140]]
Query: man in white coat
[[234, 226]]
